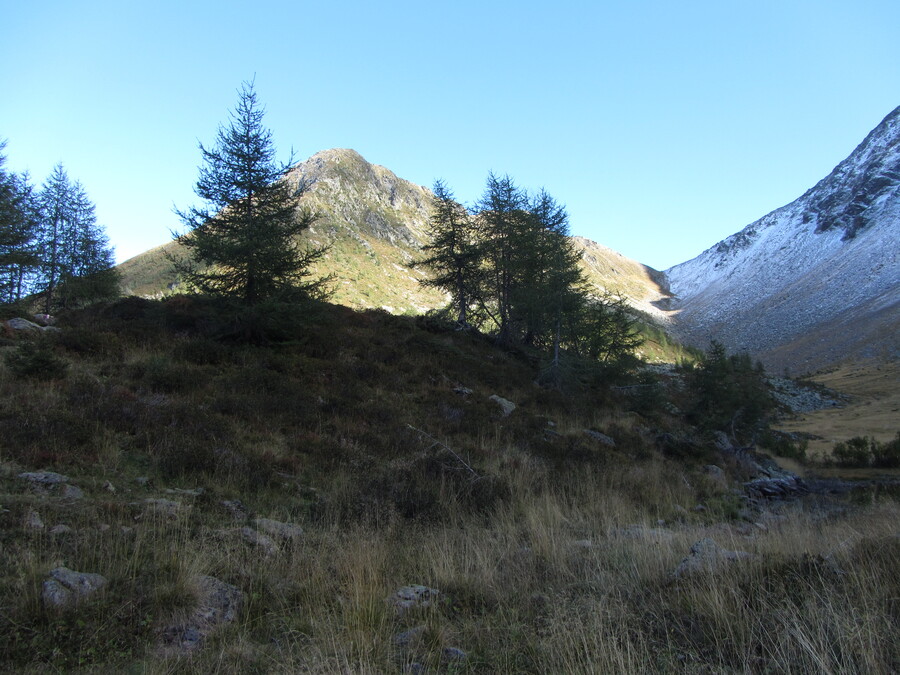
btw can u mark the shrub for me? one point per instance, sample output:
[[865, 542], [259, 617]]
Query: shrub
[[855, 452], [36, 360], [886, 455], [785, 445]]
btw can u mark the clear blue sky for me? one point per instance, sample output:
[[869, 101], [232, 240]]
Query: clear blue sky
[[663, 126]]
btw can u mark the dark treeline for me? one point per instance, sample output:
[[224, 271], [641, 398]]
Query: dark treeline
[[51, 246], [511, 270]]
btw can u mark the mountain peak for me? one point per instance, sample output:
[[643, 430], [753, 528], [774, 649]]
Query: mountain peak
[[821, 273]]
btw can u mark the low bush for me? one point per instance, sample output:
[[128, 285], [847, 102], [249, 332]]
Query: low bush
[[36, 360]]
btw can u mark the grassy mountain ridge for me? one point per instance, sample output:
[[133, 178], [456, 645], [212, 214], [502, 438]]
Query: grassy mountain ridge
[[375, 223]]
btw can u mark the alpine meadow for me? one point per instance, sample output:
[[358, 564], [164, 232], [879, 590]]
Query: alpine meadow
[[344, 423]]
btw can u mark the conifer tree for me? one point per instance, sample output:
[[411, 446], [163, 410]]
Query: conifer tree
[[453, 254], [76, 259], [503, 225], [244, 242], [18, 230]]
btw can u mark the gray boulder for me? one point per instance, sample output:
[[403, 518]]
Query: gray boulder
[[506, 407], [44, 478], [67, 587], [23, 325]]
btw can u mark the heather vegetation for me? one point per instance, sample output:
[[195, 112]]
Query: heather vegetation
[[565, 535]]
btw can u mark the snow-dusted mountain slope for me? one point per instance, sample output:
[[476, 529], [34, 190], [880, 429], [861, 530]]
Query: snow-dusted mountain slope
[[814, 282]]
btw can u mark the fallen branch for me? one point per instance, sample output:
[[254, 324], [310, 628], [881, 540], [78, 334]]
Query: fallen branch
[[436, 443]]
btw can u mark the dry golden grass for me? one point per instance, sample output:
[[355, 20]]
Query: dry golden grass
[[873, 409], [553, 553]]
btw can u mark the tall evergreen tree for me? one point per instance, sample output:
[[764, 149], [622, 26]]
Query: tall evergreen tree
[[76, 259], [453, 254], [18, 230], [502, 220], [244, 242]]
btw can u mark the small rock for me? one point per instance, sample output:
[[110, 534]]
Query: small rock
[[66, 586], [506, 407], [236, 508], [721, 442], [44, 319], [218, 604], [716, 474], [61, 529], [103, 527], [462, 391], [32, 520], [651, 534], [275, 528], [143, 481], [262, 541], [187, 492], [706, 556], [162, 507], [409, 637], [71, 492], [45, 478], [603, 438], [453, 655], [413, 597], [109, 487]]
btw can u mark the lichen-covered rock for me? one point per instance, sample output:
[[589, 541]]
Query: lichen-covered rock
[[66, 587]]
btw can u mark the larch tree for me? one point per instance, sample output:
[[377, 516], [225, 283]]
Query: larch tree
[[453, 255], [76, 261], [244, 243], [18, 232]]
